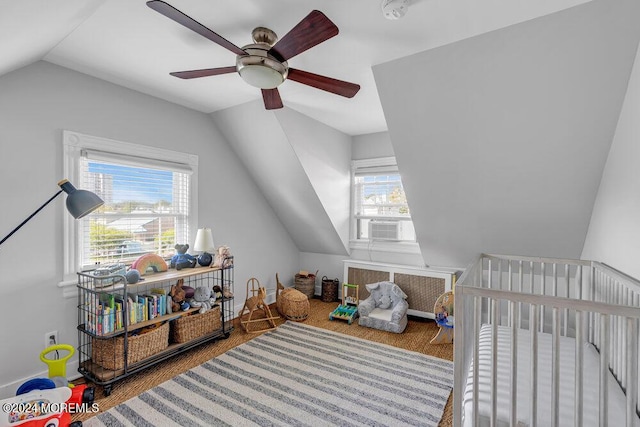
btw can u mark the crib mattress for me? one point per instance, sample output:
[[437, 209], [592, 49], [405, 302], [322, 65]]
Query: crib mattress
[[617, 404]]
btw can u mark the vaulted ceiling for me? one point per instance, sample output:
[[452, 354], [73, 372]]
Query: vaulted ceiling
[[501, 112], [125, 42]]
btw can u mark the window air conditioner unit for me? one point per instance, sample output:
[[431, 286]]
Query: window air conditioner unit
[[384, 230]]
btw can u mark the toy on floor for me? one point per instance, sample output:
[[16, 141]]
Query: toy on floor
[[348, 310], [80, 393], [38, 408], [256, 295], [46, 401], [443, 309]]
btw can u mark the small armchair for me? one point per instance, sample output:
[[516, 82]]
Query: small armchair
[[385, 308]]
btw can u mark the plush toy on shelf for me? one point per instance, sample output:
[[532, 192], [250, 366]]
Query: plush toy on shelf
[[202, 298], [177, 294], [182, 259], [223, 257]]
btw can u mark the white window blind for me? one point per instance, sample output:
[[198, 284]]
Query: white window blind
[[146, 207]]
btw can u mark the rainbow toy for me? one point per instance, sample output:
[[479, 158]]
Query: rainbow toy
[[148, 262]]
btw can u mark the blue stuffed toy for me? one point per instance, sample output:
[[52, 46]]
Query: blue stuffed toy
[[182, 259]]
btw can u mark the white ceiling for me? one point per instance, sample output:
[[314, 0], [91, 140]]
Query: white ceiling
[[127, 43]]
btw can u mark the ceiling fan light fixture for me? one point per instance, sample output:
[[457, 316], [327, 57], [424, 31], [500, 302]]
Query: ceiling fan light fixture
[[259, 69], [261, 76]]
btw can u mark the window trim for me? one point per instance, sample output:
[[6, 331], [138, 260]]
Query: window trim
[[74, 144], [375, 165]]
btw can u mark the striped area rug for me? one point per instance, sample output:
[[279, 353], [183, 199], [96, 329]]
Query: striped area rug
[[297, 375]]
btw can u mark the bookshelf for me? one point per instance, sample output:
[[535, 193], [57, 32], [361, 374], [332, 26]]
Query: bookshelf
[[124, 328]]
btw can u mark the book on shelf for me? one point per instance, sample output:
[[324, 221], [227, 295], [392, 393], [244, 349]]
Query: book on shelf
[[106, 313]]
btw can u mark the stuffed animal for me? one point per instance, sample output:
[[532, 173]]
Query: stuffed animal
[[182, 259], [217, 292], [202, 298], [177, 295], [223, 258], [226, 292]]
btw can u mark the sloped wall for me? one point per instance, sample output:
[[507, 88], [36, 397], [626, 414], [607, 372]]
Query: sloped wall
[[285, 158], [502, 138], [37, 103], [614, 231]]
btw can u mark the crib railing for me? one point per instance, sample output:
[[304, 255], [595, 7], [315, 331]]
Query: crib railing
[[585, 300]]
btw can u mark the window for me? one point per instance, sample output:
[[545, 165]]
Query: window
[[380, 209], [148, 200]]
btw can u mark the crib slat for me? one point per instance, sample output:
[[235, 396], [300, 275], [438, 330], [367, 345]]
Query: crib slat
[[604, 369], [555, 368], [513, 389], [533, 407], [520, 282], [567, 278], [543, 277], [494, 365], [578, 370], [510, 288], [477, 320], [632, 370]]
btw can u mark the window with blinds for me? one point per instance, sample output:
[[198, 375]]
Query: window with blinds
[[380, 208], [149, 201], [146, 207]]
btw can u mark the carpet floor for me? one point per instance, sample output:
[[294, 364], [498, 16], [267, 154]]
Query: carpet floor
[[415, 338]]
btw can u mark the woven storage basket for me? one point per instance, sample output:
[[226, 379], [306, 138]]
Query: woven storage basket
[[109, 353], [293, 305], [188, 328], [329, 289], [306, 285]]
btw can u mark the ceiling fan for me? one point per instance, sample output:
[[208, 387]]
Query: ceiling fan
[[263, 64]]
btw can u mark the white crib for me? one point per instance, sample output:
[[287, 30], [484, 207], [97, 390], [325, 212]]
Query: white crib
[[555, 342]]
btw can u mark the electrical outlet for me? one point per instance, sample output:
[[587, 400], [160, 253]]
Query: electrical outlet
[[51, 338]]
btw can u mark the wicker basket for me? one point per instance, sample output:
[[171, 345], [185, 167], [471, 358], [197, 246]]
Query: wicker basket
[[188, 328], [329, 289], [306, 284], [109, 353], [293, 305]]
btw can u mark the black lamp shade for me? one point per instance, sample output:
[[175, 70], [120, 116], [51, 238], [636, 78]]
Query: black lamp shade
[[80, 202]]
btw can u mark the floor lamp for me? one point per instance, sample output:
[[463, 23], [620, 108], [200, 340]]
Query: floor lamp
[[79, 204]]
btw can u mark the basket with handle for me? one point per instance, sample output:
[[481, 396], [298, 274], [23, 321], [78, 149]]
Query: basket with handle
[[306, 283], [329, 289]]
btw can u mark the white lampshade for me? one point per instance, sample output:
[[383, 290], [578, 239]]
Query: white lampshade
[[204, 241]]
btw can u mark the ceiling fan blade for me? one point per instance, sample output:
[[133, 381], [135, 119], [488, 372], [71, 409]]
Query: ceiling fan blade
[[272, 100], [206, 72], [311, 31], [328, 84], [174, 14]]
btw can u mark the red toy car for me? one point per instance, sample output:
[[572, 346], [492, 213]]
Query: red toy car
[[39, 408]]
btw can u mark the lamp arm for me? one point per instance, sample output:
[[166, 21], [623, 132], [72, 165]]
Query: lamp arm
[[30, 216]]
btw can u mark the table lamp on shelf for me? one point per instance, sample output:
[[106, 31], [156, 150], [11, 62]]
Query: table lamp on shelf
[[204, 244], [79, 204]]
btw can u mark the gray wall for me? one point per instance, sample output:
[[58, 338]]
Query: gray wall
[[285, 153], [614, 231], [37, 103], [502, 138], [371, 146]]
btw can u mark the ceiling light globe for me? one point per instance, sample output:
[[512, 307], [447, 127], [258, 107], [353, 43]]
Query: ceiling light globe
[[261, 76]]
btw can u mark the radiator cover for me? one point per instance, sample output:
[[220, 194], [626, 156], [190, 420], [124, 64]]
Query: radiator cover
[[422, 285]]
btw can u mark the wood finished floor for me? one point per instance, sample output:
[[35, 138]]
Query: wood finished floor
[[416, 338]]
